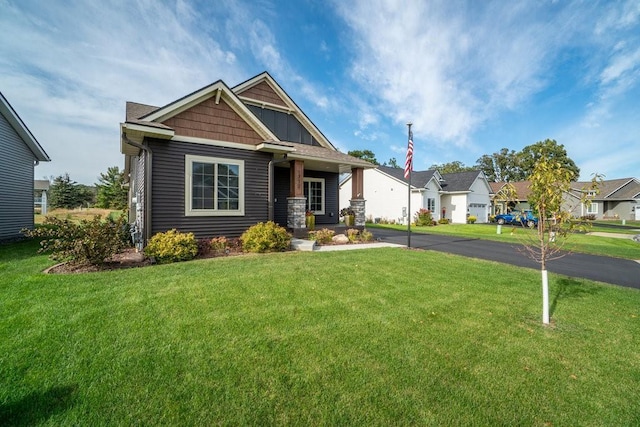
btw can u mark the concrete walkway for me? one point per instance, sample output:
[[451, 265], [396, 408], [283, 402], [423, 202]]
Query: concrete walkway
[[310, 245], [615, 235]]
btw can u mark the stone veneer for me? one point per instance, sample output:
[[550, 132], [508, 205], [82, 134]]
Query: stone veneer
[[358, 208], [296, 209]]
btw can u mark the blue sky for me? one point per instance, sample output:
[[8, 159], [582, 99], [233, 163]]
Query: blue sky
[[472, 76]]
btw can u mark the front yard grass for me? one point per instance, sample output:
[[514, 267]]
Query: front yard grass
[[578, 242], [366, 337]]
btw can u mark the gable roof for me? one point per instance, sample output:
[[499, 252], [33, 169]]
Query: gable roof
[[147, 120], [419, 179], [291, 106], [22, 130], [613, 189], [521, 187], [459, 181]]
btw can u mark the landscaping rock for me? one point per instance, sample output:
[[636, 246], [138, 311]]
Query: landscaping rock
[[340, 239]]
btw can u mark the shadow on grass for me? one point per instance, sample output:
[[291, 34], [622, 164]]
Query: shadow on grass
[[19, 250], [570, 288], [38, 406]]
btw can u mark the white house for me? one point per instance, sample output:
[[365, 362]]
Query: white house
[[451, 196]]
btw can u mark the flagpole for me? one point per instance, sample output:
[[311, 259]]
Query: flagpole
[[409, 165]]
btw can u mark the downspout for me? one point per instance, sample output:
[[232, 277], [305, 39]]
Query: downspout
[[271, 190], [147, 182]]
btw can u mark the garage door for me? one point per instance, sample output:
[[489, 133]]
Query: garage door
[[479, 211]]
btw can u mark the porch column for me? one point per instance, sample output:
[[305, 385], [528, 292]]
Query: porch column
[[357, 196], [296, 202]]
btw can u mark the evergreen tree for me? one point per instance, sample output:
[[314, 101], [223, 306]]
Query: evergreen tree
[[68, 194], [111, 192]]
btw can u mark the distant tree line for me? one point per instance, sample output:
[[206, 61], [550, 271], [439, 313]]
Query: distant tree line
[[503, 166]]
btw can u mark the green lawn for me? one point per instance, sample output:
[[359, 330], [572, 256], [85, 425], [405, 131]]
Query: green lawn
[[578, 242], [367, 337]]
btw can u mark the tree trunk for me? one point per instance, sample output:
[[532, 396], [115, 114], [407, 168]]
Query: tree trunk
[[545, 298]]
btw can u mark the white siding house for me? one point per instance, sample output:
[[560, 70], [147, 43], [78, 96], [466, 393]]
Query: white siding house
[[450, 196]]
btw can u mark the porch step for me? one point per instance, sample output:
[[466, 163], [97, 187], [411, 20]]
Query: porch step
[[303, 245]]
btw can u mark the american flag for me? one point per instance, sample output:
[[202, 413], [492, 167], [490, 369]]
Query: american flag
[[408, 164]]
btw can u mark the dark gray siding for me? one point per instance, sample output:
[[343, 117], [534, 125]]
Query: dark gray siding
[[281, 192], [285, 126], [16, 183], [168, 182]]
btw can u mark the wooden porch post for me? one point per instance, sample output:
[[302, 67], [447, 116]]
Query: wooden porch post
[[357, 183], [296, 188], [357, 196], [296, 202]]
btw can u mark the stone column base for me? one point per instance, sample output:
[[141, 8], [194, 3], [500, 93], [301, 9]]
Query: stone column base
[[358, 208]]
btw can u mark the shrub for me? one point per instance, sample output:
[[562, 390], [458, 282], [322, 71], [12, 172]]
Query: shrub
[[86, 242], [471, 219], [265, 237], [423, 217], [204, 247], [172, 246], [366, 236], [352, 235], [590, 217], [219, 244], [443, 221], [324, 236]]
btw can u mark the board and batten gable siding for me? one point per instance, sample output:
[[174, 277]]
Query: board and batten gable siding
[[217, 122], [168, 189], [263, 92], [16, 183]]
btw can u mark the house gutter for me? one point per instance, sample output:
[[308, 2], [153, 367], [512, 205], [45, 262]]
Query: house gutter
[[146, 232], [271, 191]]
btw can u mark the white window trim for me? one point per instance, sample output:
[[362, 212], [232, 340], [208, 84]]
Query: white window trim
[[188, 185], [320, 180], [592, 208]]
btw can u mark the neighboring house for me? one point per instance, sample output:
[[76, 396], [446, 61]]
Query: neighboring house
[[41, 188], [464, 194], [499, 202], [221, 159], [20, 153], [452, 196], [616, 199]]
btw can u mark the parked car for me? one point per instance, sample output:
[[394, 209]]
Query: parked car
[[518, 217]]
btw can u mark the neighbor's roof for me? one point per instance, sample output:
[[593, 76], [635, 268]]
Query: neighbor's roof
[[419, 179], [459, 181], [22, 130], [614, 189], [521, 187]]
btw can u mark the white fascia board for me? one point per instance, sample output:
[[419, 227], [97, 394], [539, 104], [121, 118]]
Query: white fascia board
[[149, 130], [213, 142], [274, 148], [22, 130]]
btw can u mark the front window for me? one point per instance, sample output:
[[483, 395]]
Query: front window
[[213, 186], [431, 204], [592, 208], [314, 192]]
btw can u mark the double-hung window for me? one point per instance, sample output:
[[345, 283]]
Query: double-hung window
[[431, 204], [592, 208], [314, 192], [213, 186]]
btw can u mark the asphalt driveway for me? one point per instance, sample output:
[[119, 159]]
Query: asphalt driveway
[[617, 271]]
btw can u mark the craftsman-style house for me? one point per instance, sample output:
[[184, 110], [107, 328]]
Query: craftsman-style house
[[221, 159]]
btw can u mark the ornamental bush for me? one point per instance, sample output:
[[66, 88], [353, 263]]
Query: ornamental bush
[[471, 219], [86, 242], [424, 217], [324, 236], [172, 246], [265, 237]]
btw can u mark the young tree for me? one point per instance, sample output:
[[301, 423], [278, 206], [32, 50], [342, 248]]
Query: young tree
[[111, 192], [68, 194], [550, 186], [367, 155]]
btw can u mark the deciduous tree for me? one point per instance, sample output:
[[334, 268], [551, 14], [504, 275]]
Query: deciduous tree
[[367, 155], [452, 167], [550, 186]]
